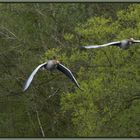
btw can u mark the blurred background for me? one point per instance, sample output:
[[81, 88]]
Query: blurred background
[[32, 33]]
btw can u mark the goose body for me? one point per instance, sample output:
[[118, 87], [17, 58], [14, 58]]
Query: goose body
[[123, 44], [51, 65]]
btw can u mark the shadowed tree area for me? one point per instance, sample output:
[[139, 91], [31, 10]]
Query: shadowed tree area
[[32, 33]]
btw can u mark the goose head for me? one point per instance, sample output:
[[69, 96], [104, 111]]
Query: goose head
[[57, 62], [130, 40]]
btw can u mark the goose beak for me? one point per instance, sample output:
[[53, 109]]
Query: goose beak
[[132, 39], [57, 62]]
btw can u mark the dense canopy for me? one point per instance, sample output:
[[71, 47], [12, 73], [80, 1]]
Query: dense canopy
[[32, 33]]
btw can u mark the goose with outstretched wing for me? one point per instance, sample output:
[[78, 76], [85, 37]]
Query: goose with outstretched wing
[[51, 65], [124, 44]]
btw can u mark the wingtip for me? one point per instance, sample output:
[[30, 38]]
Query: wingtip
[[82, 48], [23, 90], [81, 89]]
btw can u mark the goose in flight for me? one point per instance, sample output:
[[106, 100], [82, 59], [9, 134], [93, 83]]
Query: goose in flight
[[51, 65], [123, 44]]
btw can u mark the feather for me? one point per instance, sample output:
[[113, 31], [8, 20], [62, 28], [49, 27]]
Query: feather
[[68, 73], [29, 80], [104, 45]]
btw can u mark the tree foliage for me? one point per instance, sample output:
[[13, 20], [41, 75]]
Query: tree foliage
[[32, 33]]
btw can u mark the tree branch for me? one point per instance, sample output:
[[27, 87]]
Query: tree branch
[[40, 125]]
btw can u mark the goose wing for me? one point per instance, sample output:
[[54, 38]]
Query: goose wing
[[117, 43], [136, 41], [68, 73], [29, 80]]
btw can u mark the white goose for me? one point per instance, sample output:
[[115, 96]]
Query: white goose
[[51, 65]]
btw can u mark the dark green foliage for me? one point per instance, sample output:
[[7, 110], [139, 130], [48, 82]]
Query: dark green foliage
[[32, 33]]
